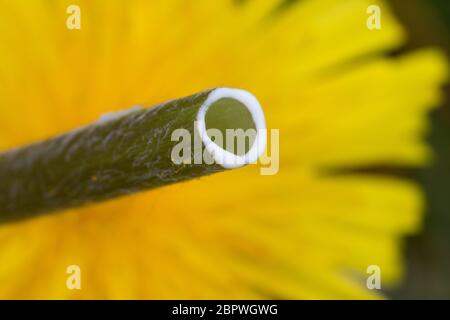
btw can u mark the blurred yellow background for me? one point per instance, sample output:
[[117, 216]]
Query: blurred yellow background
[[352, 105]]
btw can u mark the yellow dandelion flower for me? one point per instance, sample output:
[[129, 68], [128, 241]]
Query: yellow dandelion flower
[[323, 79]]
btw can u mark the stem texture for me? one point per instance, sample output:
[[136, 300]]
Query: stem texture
[[100, 161]]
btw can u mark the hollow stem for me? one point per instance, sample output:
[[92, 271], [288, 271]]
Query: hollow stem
[[126, 153]]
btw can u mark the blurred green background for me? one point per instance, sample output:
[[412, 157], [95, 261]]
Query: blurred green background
[[428, 254]]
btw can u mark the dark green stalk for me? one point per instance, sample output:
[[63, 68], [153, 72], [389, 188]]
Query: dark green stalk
[[100, 161]]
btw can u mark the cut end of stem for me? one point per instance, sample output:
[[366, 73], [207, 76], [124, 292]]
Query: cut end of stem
[[237, 117]]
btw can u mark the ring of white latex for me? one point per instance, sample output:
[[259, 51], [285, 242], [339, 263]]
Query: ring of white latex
[[221, 156]]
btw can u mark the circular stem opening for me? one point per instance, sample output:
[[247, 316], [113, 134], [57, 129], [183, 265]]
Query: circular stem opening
[[232, 127], [234, 122]]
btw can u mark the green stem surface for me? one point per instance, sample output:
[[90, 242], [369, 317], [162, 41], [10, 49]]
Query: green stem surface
[[100, 161]]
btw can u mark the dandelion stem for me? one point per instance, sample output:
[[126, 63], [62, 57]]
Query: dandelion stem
[[123, 154]]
